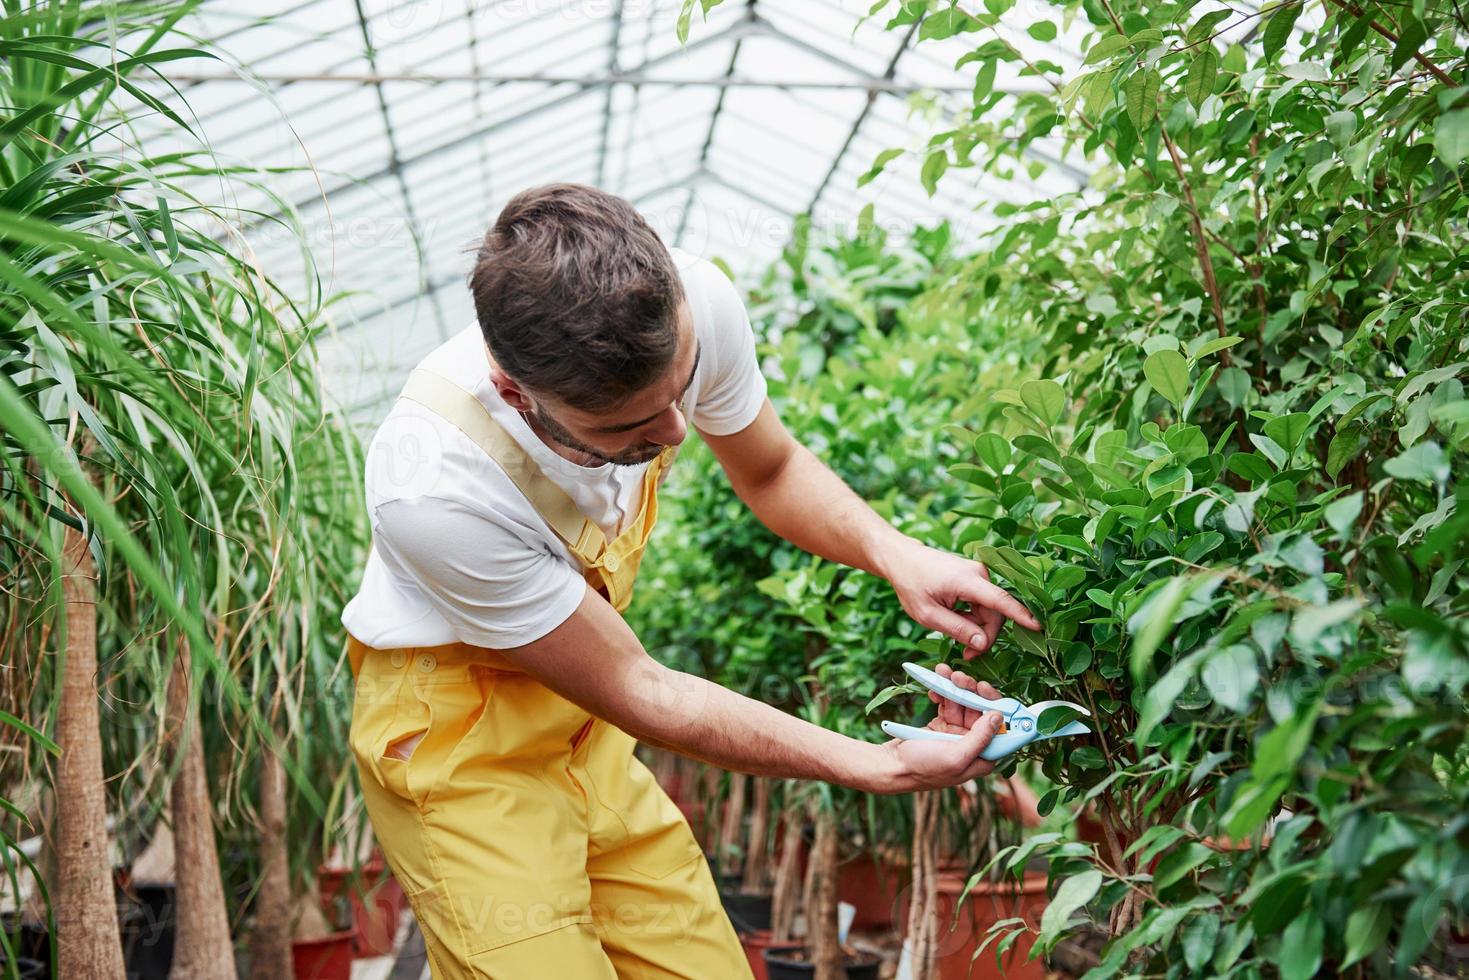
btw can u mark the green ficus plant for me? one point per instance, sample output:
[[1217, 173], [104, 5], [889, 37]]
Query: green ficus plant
[[1229, 487]]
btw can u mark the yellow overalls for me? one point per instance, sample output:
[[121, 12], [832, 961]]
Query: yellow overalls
[[529, 840]]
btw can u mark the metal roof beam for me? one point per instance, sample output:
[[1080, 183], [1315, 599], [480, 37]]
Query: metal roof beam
[[395, 161], [612, 67], [836, 161]]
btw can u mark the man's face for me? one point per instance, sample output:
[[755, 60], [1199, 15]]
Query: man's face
[[635, 431]]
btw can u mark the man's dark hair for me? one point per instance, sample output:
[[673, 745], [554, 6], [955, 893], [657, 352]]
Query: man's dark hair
[[576, 296]]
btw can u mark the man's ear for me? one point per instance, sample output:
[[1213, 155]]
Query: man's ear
[[507, 387], [510, 391]]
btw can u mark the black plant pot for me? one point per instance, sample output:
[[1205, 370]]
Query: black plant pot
[[31, 942], [26, 969], [747, 912], [147, 918], [792, 963]]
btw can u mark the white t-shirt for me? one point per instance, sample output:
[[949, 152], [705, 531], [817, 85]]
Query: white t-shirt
[[458, 553]]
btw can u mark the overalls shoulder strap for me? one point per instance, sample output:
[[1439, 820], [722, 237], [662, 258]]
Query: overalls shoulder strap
[[466, 413]]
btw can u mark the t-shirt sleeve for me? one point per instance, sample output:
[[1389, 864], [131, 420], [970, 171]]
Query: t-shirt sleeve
[[734, 393], [490, 585]]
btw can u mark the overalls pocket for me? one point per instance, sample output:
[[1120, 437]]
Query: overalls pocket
[[635, 826], [454, 697]]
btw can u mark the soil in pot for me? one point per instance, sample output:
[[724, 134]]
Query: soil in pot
[[794, 963], [987, 903], [327, 958]]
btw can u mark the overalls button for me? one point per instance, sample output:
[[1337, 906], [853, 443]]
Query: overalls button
[[611, 563], [398, 658], [427, 662]]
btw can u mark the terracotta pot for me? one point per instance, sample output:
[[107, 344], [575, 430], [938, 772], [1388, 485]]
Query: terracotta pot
[[755, 944], [791, 963], [328, 958], [370, 903], [873, 886], [986, 904]]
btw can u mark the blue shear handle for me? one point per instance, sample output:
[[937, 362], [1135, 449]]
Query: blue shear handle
[[999, 747]]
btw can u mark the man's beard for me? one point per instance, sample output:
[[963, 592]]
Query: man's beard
[[627, 457]]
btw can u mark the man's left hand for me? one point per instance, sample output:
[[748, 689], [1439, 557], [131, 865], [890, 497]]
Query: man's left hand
[[930, 582]]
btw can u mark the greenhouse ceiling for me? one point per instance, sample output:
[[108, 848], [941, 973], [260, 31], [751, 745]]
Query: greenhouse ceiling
[[402, 126]]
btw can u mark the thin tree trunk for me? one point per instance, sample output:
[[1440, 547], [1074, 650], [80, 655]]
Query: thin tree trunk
[[787, 893], [757, 855], [89, 943], [270, 941], [923, 921], [202, 947], [732, 824], [821, 905]]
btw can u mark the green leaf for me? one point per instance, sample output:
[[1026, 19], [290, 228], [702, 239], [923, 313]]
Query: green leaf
[[1411, 36], [1215, 346], [1366, 929], [885, 695], [1199, 936], [681, 26], [1042, 30], [1167, 372], [993, 450], [1341, 514], [1077, 660], [1074, 893], [1423, 462], [1300, 947], [1235, 386], [1286, 430], [1202, 71], [1056, 717], [1204, 27], [1154, 620], [947, 22], [1344, 448], [1177, 863], [1140, 93], [882, 160], [1278, 30], [1231, 676], [1451, 137], [1107, 47], [1086, 757], [933, 168], [1045, 398], [1308, 71]]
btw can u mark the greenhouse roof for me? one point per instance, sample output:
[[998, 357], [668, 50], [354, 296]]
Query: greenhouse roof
[[403, 126]]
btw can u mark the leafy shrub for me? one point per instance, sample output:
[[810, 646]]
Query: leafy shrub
[[1230, 484]]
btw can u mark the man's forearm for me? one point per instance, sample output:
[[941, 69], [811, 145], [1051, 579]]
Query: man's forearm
[[698, 718], [811, 507]]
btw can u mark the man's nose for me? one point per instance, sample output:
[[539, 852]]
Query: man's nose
[[669, 430]]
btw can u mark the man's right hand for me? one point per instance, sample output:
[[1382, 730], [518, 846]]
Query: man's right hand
[[933, 764]]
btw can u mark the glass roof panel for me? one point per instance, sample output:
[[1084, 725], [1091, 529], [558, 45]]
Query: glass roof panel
[[405, 149]]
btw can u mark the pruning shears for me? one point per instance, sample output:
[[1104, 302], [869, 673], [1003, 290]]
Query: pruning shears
[[1020, 727]]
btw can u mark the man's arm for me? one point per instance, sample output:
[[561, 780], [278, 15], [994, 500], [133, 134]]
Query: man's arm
[[799, 498], [595, 661]]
